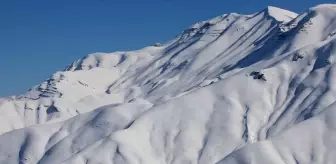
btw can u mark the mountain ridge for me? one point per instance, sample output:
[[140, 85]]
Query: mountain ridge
[[223, 91]]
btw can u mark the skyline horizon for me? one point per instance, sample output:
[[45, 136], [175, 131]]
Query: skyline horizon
[[40, 38]]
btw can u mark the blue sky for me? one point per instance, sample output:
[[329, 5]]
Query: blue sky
[[39, 37]]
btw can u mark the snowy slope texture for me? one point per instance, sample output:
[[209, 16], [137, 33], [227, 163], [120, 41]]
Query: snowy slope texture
[[235, 89], [198, 57]]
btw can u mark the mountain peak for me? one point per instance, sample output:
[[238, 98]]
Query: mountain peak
[[279, 14]]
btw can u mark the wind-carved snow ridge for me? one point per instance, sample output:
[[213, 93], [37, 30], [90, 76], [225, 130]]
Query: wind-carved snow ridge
[[233, 89]]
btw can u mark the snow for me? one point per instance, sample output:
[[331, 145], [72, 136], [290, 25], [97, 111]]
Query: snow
[[194, 99], [280, 14]]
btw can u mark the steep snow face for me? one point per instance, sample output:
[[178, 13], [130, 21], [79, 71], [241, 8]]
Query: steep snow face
[[280, 14], [233, 89]]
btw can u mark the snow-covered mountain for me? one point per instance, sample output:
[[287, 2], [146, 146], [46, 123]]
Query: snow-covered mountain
[[234, 89]]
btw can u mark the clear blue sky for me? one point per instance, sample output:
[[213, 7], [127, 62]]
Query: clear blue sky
[[39, 37]]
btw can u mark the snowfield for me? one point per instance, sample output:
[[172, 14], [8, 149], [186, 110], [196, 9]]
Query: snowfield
[[235, 89]]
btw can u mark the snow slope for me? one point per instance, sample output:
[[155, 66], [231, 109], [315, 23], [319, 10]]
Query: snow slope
[[233, 89]]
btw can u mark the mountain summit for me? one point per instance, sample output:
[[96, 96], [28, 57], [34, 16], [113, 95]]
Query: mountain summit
[[233, 89], [280, 14]]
